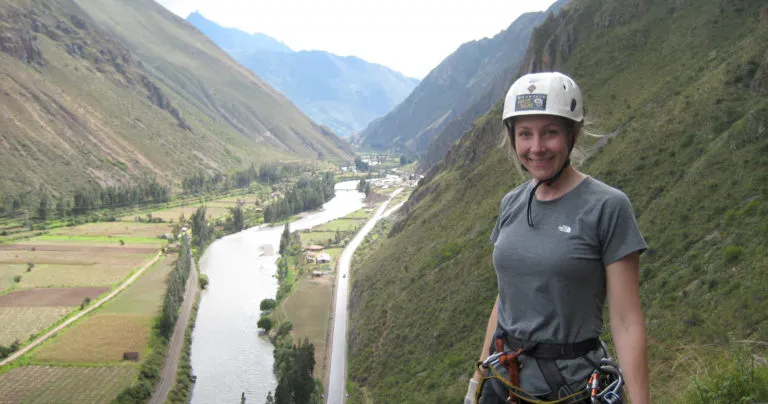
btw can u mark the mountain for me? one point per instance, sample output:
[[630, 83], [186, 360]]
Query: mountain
[[235, 42], [343, 93], [113, 91], [460, 86], [680, 91]]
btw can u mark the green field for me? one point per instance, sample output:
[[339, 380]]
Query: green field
[[21, 322], [317, 237], [342, 224], [145, 296], [101, 240], [121, 230], [7, 273], [53, 384]]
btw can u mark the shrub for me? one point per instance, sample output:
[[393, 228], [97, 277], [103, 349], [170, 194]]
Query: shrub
[[203, 281], [738, 381], [732, 253], [267, 304], [265, 323], [17, 278]]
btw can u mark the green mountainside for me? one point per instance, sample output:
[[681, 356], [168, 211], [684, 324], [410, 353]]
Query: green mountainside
[[680, 89], [460, 86], [113, 91]]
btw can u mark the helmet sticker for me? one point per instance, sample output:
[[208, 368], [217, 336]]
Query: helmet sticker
[[531, 102]]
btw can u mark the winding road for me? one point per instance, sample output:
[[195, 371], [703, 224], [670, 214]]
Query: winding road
[[338, 371]]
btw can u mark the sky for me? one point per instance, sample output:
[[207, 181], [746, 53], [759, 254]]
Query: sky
[[409, 36]]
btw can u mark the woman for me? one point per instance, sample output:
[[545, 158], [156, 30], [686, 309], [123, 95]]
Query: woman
[[563, 242]]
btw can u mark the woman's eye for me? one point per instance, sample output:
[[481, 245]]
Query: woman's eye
[[523, 134]]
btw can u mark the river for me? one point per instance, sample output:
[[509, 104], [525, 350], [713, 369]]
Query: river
[[229, 355]]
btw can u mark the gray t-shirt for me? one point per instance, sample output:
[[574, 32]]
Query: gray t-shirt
[[552, 283]]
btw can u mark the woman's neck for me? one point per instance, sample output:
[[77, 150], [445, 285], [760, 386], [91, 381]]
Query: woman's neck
[[568, 180]]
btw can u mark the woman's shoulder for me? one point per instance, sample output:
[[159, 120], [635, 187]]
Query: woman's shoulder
[[604, 196], [515, 194], [601, 190]]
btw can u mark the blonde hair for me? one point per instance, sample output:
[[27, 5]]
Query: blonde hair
[[578, 154]]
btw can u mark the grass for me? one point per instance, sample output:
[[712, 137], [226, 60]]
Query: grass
[[317, 237], [112, 240], [50, 384], [309, 309], [19, 323], [99, 339], [7, 273], [124, 231], [60, 269], [343, 225], [145, 296]]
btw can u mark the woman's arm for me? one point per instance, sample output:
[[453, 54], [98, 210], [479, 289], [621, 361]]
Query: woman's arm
[[493, 321], [628, 325]]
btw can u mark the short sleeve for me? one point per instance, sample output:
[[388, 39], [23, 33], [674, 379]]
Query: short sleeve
[[619, 233], [502, 218], [499, 223]]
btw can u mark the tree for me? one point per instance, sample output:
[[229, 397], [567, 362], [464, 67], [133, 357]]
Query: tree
[[265, 323], [270, 398], [267, 304], [42, 209], [285, 238]]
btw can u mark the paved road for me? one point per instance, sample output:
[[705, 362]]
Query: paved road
[[93, 307], [171, 366], [338, 372]]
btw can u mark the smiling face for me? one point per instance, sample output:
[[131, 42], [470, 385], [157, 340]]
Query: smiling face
[[542, 144]]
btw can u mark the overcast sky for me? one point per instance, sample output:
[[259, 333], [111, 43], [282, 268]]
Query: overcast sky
[[410, 36]]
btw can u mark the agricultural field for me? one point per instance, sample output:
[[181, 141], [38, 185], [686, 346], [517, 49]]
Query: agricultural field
[[116, 230], [342, 224], [53, 384], [316, 237], [69, 264], [19, 323], [124, 324], [214, 209], [311, 320], [100, 338]]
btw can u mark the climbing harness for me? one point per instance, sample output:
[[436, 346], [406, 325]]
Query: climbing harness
[[603, 386]]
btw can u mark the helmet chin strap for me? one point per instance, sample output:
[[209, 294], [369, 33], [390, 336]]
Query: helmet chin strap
[[549, 182]]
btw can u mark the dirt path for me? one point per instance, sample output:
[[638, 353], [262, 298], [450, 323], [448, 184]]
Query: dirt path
[[93, 307], [168, 376]]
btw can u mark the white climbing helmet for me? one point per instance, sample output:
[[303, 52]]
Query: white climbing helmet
[[544, 94]]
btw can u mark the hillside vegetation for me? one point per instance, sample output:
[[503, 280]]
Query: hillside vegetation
[[680, 88], [112, 92]]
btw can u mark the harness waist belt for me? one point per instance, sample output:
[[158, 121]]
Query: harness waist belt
[[541, 350]]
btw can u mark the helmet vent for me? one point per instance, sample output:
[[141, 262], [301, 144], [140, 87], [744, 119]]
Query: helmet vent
[[573, 104]]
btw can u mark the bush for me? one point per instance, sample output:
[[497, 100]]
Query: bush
[[203, 281], [732, 253], [267, 304], [265, 323], [17, 278], [284, 329], [737, 381]]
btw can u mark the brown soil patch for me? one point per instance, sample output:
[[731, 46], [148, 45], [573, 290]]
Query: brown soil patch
[[50, 296], [77, 248]]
